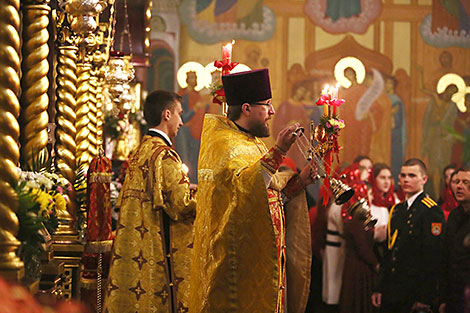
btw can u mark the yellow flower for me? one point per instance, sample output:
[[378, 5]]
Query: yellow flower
[[45, 201], [60, 203]]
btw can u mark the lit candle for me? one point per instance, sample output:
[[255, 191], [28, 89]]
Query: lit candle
[[335, 89], [325, 106], [227, 52]]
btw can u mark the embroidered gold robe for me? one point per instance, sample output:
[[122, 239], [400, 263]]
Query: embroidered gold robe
[[152, 249], [239, 252]]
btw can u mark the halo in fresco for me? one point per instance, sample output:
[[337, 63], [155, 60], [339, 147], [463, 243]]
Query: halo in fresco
[[353, 63], [343, 16], [459, 97], [211, 21], [204, 77]]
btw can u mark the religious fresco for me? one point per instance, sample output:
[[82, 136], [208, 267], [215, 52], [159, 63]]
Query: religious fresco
[[196, 102], [375, 108], [342, 16], [211, 21], [448, 25]]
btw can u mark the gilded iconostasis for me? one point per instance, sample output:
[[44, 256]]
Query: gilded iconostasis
[[402, 66]]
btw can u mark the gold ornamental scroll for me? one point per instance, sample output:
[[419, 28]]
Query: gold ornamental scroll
[[35, 83], [84, 150], [99, 113], [10, 265], [92, 115]]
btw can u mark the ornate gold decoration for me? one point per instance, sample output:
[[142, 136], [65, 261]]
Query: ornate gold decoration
[[66, 90], [35, 83], [9, 133], [99, 113], [83, 14], [83, 153], [92, 115]]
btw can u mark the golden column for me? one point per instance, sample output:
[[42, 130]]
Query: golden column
[[10, 265], [35, 83], [84, 151], [65, 132], [66, 90]]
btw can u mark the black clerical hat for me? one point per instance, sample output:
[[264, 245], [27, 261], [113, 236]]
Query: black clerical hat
[[249, 87]]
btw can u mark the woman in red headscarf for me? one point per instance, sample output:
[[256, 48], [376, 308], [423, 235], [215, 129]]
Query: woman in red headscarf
[[383, 198]]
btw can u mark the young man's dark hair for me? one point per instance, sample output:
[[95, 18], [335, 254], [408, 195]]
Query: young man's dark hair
[[412, 162], [156, 103]]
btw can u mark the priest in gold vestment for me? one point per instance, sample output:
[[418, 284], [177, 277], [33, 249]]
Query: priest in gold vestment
[[242, 250], [152, 249]]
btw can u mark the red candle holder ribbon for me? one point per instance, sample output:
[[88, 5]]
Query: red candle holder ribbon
[[225, 65]]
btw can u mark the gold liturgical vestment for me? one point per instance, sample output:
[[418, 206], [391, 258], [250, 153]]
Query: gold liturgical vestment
[[235, 265], [152, 249]]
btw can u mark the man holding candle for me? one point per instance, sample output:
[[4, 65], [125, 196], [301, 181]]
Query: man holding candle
[[241, 242], [152, 249]]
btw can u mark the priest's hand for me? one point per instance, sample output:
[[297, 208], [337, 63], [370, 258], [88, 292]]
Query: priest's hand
[[287, 137], [309, 173]]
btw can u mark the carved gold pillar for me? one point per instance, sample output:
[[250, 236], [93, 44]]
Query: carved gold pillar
[[10, 265], [35, 83], [65, 132], [66, 80], [83, 154]]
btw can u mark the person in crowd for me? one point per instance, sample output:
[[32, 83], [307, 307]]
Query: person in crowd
[[409, 270], [152, 249], [383, 198], [456, 260], [365, 166], [447, 199], [242, 232], [360, 261], [334, 244]]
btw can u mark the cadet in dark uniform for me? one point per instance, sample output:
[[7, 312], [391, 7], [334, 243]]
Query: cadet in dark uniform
[[409, 271], [456, 263]]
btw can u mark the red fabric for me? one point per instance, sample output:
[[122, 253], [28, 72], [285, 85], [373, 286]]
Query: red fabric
[[99, 214], [448, 201], [351, 174], [290, 164], [381, 199], [98, 202]]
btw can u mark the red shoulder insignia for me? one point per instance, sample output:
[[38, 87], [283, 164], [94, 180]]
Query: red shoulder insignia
[[436, 228]]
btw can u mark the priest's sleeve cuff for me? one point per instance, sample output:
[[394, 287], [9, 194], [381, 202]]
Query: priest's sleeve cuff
[[272, 160], [294, 186]]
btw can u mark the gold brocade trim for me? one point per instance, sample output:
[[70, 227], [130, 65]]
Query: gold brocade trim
[[205, 174], [99, 246], [100, 178]]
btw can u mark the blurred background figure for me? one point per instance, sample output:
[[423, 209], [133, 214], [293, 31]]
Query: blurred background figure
[[447, 199]]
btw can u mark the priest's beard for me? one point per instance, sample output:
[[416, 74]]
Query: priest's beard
[[259, 130]]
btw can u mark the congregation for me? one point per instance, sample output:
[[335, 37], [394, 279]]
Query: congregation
[[257, 247]]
